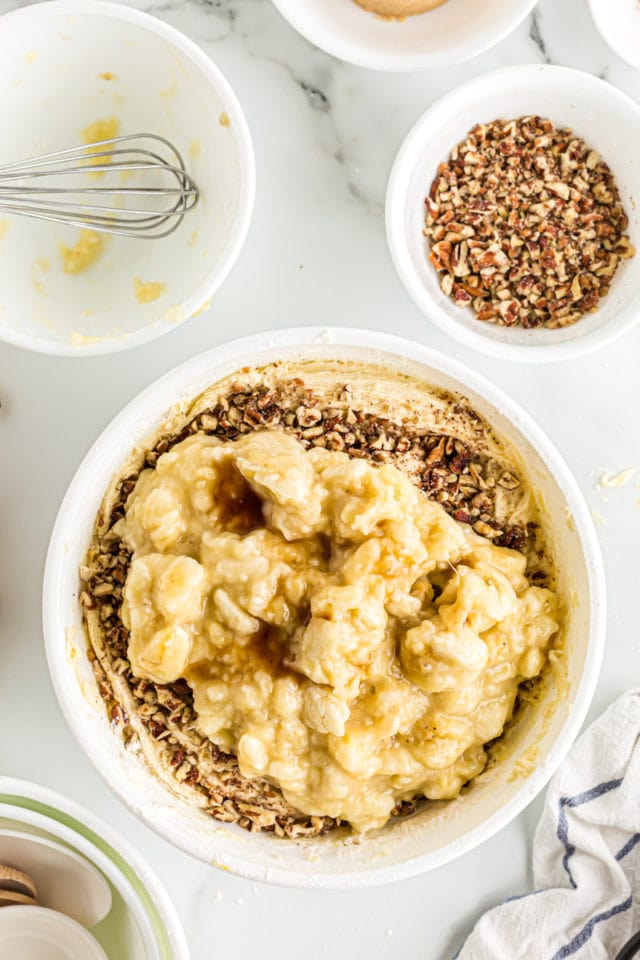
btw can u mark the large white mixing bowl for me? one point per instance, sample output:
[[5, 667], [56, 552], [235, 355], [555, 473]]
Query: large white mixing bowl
[[439, 832]]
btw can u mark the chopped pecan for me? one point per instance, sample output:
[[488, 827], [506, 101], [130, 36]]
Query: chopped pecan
[[525, 224]]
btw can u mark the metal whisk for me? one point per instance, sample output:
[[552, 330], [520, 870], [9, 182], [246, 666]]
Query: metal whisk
[[63, 187]]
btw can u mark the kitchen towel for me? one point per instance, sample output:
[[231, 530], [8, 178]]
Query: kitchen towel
[[586, 855]]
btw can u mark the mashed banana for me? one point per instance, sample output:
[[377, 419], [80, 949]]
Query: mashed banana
[[342, 635]]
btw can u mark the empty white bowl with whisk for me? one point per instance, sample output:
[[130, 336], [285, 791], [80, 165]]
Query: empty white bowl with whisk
[[73, 68]]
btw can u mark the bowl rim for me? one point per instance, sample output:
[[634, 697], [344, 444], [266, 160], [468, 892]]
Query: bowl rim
[[395, 202], [90, 869], [246, 163], [240, 351], [597, 18], [391, 62], [66, 819]]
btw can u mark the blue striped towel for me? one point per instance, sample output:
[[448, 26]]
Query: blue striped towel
[[586, 855]]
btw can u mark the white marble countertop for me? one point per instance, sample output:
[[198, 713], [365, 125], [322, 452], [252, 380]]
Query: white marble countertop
[[325, 136]]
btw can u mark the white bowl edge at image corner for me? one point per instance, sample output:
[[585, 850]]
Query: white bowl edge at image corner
[[614, 24], [401, 239], [298, 341], [246, 196], [101, 860], [390, 61]]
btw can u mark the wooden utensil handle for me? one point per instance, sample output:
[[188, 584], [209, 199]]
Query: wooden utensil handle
[[9, 898], [16, 881]]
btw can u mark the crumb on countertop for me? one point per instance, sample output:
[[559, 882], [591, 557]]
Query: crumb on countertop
[[609, 480]]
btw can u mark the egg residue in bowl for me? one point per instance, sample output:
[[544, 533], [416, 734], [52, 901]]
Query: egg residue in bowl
[[86, 251]]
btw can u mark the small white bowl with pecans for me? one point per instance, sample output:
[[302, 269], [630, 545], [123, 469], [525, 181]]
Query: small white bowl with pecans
[[512, 214]]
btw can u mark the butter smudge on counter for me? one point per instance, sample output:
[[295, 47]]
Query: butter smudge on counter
[[148, 292], [86, 251], [195, 149], [598, 518], [30, 57], [4, 226]]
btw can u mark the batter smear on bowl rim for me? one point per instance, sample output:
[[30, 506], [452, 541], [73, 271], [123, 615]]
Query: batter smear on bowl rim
[[313, 596]]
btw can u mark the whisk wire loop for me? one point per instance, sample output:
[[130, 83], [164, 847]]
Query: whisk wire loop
[[63, 192]]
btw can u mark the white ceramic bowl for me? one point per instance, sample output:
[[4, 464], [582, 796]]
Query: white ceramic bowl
[[143, 923], [449, 34], [608, 120], [36, 933], [55, 57], [65, 881], [619, 24], [404, 848]]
